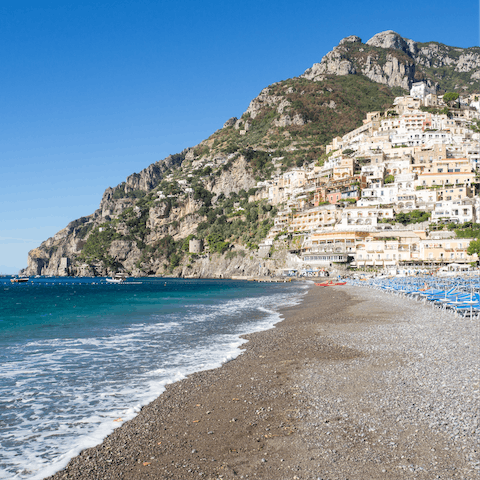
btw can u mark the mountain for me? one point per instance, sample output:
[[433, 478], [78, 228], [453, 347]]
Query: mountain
[[390, 59], [203, 212]]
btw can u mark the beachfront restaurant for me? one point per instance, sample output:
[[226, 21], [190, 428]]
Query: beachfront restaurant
[[325, 259], [326, 248]]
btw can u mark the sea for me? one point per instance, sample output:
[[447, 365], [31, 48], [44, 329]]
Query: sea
[[80, 356]]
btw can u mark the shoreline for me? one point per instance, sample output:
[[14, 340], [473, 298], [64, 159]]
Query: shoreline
[[274, 411]]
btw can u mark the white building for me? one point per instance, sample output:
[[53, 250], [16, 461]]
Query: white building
[[458, 211], [420, 90], [379, 194], [356, 216]]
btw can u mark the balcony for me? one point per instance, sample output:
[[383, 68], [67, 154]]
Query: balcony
[[328, 249]]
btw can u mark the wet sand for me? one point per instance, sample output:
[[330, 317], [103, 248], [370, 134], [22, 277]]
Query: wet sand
[[272, 412]]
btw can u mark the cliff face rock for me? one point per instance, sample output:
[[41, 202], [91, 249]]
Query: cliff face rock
[[352, 57], [109, 208], [135, 226], [160, 220], [333, 63], [230, 122], [243, 263], [234, 180], [391, 39], [287, 120], [390, 59], [350, 39], [392, 73], [147, 179], [258, 103], [468, 62]]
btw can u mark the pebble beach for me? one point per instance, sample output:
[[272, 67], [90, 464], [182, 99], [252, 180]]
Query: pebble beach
[[352, 384]]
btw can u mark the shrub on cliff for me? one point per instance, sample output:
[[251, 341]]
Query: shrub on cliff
[[97, 245], [201, 193]]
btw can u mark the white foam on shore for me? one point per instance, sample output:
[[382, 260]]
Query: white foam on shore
[[54, 426]]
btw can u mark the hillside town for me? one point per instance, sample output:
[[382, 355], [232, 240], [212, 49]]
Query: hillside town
[[389, 193]]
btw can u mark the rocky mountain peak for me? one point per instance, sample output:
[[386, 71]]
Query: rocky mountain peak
[[350, 39], [391, 39], [390, 59]]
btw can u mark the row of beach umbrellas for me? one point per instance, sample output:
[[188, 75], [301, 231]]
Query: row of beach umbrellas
[[458, 294]]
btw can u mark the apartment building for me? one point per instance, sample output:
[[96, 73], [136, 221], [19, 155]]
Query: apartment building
[[440, 251], [435, 179], [457, 211], [364, 216]]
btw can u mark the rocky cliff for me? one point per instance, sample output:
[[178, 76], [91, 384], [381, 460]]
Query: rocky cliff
[[395, 61], [144, 225]]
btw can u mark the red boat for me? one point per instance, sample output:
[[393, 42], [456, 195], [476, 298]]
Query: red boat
[[331, 283]]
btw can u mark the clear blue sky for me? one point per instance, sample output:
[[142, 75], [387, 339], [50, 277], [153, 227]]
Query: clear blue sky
[[91, 92]]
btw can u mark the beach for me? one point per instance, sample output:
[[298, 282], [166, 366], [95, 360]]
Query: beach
[[352, 384]]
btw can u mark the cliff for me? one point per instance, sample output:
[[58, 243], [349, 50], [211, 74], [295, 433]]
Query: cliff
[[395, 61]]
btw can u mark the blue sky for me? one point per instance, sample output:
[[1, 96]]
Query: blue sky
[[91, 92]]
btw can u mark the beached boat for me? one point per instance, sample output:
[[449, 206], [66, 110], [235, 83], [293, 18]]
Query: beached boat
[[331, 283], [19, 280]]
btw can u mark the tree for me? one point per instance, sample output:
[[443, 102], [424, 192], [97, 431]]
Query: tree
[[201, 193], [474, 247], [415, 216], [450, 98], [402, 218], [389, 179]]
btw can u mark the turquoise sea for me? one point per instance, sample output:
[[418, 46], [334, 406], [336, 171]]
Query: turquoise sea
[[77, 354]]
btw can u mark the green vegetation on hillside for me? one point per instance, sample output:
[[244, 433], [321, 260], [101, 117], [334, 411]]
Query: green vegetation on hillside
[[97, 246], [328, 108], [466, 230], [415, 216], [447, 77], [236, 220]]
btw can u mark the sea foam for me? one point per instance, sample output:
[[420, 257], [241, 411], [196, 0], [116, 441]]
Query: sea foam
[[62, 395]]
